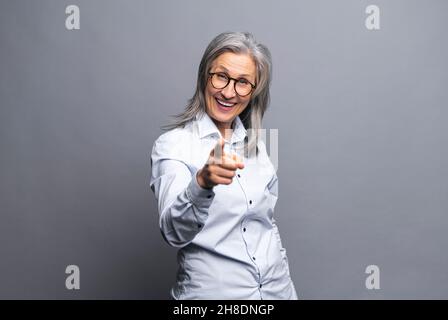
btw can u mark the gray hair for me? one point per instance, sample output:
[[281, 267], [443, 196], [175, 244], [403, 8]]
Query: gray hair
[[252, 115]]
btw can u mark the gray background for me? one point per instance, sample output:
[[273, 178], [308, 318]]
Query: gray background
[[362, 128]]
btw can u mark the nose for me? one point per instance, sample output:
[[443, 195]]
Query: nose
[[229, 91]]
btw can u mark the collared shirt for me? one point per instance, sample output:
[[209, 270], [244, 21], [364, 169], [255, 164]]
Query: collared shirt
[[228, 240]]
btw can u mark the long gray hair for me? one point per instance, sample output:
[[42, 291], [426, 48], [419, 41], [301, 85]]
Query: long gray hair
[[252, 116]]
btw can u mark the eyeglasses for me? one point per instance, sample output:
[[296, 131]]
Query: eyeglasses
[[220, 80]]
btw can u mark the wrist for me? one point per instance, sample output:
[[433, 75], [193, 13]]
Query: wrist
[[201, 181]]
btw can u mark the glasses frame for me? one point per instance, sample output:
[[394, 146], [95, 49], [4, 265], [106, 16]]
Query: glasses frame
[[211, 74]]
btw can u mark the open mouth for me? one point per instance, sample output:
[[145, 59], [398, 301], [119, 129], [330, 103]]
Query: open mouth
[[225, 106]]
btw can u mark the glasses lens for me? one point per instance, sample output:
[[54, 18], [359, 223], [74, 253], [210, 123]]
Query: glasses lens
[[219, 80], [243, 88]]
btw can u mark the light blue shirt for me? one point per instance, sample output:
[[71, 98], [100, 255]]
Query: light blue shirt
[[229, 244]]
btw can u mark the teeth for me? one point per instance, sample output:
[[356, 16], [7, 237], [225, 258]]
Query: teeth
[[225, 104]]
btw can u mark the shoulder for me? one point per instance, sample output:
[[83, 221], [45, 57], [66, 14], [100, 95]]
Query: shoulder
[[173, 143], [171, 137], [261, 146], [265, 160], [262, 150]]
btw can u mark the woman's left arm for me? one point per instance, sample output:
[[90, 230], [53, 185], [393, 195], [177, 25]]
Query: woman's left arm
[[273, 190]]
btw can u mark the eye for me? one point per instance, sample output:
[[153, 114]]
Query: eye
[[243, 81], [222, 76]]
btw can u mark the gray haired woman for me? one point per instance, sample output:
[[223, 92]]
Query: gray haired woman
[[215, 184]]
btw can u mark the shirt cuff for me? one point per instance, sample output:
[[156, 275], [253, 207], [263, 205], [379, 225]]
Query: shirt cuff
[[202, 198]]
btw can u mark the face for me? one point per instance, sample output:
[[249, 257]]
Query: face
[[237, 66]]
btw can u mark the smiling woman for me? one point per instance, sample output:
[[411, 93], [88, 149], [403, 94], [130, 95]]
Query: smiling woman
[[217, 207]]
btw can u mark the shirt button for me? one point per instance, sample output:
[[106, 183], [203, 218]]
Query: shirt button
[[238, 175], [244, 229], [250, 201], [253, 258], [199, 225], [209, 196], [261, 285]]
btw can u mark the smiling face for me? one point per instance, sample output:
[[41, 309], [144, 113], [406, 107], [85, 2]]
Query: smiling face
[[224, 105]]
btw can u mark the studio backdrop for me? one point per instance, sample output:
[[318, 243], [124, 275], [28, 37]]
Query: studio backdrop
[[359, 98]]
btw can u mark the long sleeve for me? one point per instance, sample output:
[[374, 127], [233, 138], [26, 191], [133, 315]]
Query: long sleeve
[[183, 204], [273, 191]]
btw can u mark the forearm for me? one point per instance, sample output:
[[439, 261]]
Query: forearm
[[184, 217]]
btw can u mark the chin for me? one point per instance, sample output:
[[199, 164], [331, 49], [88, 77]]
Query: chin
[[224, 117]]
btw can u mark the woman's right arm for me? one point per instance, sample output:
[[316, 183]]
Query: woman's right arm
[[184, 193], [183, 205]]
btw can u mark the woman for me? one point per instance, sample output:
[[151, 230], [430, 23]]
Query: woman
[[215, 185]]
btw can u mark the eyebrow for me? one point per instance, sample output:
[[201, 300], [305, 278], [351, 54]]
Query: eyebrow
[[226, 70]]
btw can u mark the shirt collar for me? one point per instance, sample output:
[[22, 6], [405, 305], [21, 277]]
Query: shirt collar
[[207, 127]]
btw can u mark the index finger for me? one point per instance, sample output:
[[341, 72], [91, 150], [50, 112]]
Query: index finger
[[218, 150]]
